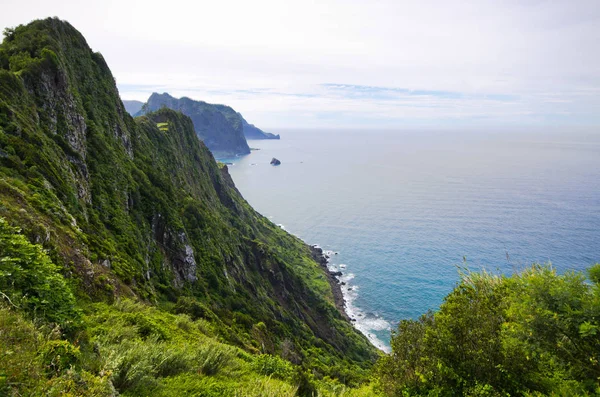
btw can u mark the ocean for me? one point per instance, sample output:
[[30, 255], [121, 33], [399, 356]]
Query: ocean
[[402, 210]]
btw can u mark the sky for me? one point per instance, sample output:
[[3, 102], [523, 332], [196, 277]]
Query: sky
[[334, 64]]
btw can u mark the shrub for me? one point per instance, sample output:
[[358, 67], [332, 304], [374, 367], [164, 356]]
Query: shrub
[[31, 281], [266, 364], [534, 333], [594, 273], [59, 355], [212, 358]]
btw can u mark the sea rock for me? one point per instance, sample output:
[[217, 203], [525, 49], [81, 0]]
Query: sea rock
[[275, 161]]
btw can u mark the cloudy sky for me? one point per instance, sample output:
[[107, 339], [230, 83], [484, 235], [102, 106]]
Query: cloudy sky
[[369, 63]]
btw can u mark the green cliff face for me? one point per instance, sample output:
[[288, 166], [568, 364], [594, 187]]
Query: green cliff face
[[219, 126], [149, 241]]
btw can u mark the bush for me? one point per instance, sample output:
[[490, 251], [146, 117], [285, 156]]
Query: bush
[[30, 281], [212, 358], [266, 364], [534, 333], [594, 273], [59, 355], [19, 341]]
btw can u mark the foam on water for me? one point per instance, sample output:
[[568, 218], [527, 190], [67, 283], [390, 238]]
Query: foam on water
[[405, 207], [366, 323]]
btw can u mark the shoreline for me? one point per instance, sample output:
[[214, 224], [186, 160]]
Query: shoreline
[[336, 287], [343, 298]]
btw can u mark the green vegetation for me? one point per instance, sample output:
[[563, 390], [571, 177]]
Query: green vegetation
[[219, 126], [30, 281], [534, 333], [130, 263]]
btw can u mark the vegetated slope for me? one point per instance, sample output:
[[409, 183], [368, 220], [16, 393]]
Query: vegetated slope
[[132, 106], [533, 333], [219, 126], [139, 209], [253, 132]]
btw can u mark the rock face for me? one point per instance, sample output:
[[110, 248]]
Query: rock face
[[219, 126], [253, 132], [133, 107], [274, 161], [332, 278]]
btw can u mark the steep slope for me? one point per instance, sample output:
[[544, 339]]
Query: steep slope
[[139, 209], [253, 132], [132, 106], [219, 126]]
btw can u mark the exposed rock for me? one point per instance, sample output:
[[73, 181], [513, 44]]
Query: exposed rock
[[338, 297], [275, 161]]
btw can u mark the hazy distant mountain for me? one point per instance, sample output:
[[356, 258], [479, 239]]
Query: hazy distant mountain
[[133, 107], [253, 132], [219, 126]]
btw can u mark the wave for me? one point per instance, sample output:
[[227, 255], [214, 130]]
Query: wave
[[366, 322]]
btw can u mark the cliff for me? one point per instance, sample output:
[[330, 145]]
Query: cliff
[[219, 126], [154, 255], [252, 132]]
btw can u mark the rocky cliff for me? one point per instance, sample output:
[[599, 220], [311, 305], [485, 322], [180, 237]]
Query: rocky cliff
[[219, 126], [139, 209]]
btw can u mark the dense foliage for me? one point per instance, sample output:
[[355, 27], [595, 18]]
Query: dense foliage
[[534, 333], [30, 281], [130, 264], [114, 230]]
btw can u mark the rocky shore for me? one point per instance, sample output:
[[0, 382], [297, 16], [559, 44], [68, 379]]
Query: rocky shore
[[333, 277]]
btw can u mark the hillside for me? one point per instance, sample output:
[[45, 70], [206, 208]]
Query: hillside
[[253, 132], [219, 126], [130, 262]]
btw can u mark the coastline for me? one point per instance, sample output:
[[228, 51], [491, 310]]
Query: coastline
[[336, 287], [344, 297]]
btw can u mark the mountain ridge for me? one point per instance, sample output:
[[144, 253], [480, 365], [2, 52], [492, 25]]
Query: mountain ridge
[[253, 132], [138, 209], [219, 126], [132, 106]]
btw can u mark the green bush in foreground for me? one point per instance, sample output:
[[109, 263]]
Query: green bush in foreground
[[533, 333], [29, 280]]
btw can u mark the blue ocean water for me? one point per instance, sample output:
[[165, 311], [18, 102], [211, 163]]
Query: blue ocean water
[[404, 208]]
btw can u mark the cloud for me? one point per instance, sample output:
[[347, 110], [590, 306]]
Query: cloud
[[345, 63]]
